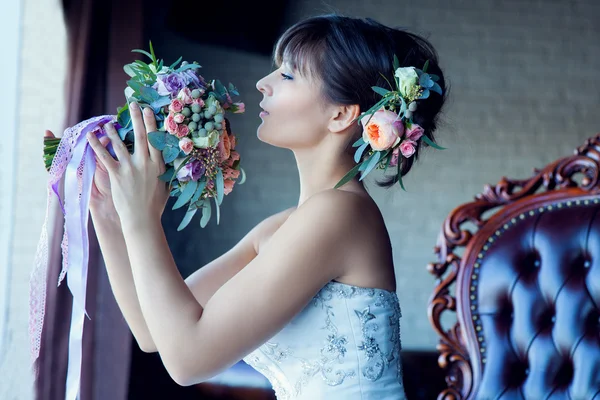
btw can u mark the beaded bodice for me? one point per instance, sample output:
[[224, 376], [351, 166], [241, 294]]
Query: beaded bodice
[[345, 344]]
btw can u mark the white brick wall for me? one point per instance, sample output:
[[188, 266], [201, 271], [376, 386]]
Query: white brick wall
[[525, 91]]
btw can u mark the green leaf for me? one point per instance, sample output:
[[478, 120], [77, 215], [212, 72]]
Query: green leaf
[[188, 66], [158, 139], [348, 177], [371, 164], [176, 62], [430, 143], [220, 186], [400, 175], [396, 63], [144, 52], [199, 191], [206, 211], [159, 103], [153, 56], [380, 90], [172, 140], [187, 218], [124, 119], [129, 70], [387, 164], [186, 195], [218, 211], [359, 152], [166, 177], [149, 94], [359, 142], [386, 79], [242, 177], [135, 85], [170, 154], [426, 66]]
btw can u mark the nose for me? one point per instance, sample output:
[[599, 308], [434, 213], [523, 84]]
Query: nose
[[263, 86]]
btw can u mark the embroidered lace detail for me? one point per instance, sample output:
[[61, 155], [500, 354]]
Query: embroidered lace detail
[[292, 367]]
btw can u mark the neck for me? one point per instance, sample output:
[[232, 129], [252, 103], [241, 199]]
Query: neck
[[321, 168]]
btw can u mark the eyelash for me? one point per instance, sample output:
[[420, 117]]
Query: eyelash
[[286, 77]]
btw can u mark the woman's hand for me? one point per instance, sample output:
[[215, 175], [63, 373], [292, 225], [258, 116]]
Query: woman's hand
[[101, 196], [137, 192]]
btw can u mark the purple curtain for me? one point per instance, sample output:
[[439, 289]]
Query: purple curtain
[[100, 37]]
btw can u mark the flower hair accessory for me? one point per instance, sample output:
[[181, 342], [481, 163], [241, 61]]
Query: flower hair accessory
[[388, 129]]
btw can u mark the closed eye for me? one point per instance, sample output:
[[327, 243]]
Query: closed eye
[[286, 77]]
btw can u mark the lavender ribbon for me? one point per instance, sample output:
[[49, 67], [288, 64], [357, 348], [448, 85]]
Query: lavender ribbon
[[75, 163]]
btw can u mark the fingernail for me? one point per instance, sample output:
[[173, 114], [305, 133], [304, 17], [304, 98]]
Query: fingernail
[[134, 106]]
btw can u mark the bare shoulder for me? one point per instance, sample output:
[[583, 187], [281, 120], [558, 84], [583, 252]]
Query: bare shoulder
[[268, 226]]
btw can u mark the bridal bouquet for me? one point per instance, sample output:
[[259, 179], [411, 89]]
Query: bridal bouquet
[[198, 149], [193, 134]]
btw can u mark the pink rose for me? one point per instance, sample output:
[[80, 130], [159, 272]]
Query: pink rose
[[185, 95], [239, 108], [171, 124], [200, 102], [182, 131], [233, 141], [383, 130], [224, 147], [179, 118], [176, 106], [186, 145], [230, 173], [408, 148], [228, 186], [395, 156], [414, 132]]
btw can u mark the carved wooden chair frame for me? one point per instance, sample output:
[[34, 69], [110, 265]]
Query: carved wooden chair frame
[[462, 347]]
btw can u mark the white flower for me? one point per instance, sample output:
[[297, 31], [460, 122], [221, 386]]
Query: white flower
[[210, 140], [408, 79]]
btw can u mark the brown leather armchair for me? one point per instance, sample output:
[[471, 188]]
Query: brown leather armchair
[[523, 263]]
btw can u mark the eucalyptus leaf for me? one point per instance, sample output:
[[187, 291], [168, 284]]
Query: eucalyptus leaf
[[188, 66], [372, 163], [166, 177], [135, 85], [171, 140], [400, 176], [380, 90], [124, 131], [359, 152], [436, 88], [186, 195], [206, 211], [152, 55], [348, 177], [187, 218], [159, 103], [219, 182], [124, 118], [158, 139], [199, 190], [430, 143], [359, 142], [149, 94], [170, 154], [129, 70], [242, 178], [218, 210]]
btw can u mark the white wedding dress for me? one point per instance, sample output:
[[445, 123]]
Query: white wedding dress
[[344, 345]]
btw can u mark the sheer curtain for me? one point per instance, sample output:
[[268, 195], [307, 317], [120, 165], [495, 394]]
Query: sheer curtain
[[100, 36]]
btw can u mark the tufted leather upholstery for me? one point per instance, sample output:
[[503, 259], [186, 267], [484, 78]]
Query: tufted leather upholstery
[[536, 305], [524, 281]]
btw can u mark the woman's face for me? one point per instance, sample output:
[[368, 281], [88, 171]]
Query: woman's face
[[294, 114]]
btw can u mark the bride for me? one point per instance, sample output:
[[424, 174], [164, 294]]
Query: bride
[[308, 296]]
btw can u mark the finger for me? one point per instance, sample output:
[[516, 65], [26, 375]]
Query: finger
[[139, 130], [150, 122], [101, 153], [118, 146], [48, 134]]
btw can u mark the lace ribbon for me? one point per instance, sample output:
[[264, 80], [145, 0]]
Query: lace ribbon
[[75, 163]]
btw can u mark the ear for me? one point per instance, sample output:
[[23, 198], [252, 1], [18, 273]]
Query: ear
[[343, 117]]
